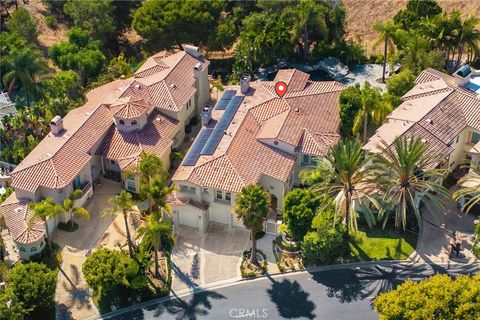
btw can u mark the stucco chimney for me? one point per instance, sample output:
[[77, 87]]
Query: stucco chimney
[[244, 84], [192, 50], [56, 125]]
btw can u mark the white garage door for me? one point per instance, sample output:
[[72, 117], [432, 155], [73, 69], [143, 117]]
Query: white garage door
[[220, 214], [189, 216]]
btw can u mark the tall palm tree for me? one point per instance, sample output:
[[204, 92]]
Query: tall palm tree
[[45, 210], [157, 191], [373, 107], [122, 203], [352, 182], [74, 211], [387, 32], [472, 191], [406, 176], [23, 66], [153, 231], [469, 36], [251, 206]]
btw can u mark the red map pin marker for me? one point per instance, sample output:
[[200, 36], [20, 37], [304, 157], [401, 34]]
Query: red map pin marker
[[281, 88]]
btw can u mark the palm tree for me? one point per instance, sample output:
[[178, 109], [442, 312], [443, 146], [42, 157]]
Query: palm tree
[[74, 211], [158, 193], [45, 210], [406, 176], [24, 66], [352, 181], [469, 36], [472, 191], [373, 107], [251, 206], [122, 203], [387, 32], [153, 231]]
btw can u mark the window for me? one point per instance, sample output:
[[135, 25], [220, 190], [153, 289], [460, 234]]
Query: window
[[134, 122], [76, 183], [219, 194], [306, 159], [33, 249], [228, 196], [193, 189], [22, 249], [121, 122], [475, 138], [205, 190], [131, 186], [183, 188], [188, 189]]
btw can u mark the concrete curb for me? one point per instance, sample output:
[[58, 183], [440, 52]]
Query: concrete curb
[[237, 281]]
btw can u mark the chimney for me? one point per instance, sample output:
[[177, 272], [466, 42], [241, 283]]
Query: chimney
[[206, 115], [244, 84], [192, 50], [56, 125]]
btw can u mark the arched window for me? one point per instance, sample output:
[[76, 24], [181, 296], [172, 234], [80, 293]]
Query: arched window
[[33, 249], [22, 249], [134, 122], [121, 122]]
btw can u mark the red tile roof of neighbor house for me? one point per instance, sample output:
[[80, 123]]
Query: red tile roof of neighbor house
[[165, 82], [435, 110], [307, 119], [17, 217]]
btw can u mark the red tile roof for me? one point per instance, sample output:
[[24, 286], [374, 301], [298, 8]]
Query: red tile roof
[[17, 217]]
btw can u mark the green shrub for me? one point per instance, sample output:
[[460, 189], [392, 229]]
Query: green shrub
[[51, 22], [70, 226], [139, 282], [131, 267], [76, 194], [476, 243], [299, 207], [327, 242]]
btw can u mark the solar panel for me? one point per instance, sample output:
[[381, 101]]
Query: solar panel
[[197, 146], [221, 104], [228, 94], [222, 125]]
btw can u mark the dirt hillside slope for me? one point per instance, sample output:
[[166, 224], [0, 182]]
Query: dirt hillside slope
[[362, 14]]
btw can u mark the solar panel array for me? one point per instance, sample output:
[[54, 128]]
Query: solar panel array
[[208, 139], [222, 125], [196, 148], [225, 99]]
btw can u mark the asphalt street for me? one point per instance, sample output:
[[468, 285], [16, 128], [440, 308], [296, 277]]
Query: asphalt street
[[339, 294]]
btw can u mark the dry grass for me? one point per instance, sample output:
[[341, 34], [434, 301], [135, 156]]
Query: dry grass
[[362, 14]]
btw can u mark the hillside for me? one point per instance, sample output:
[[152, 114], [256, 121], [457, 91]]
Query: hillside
[[361, 15]]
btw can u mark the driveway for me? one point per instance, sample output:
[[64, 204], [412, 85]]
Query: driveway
[[76, 303], [436, 236], [199, 260]]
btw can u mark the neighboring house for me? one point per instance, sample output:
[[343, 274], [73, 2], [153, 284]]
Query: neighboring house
[[106, 136], [253, 136], [443, 111], [7, 107]]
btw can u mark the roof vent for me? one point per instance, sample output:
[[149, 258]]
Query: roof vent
[[197, 66], [56, 125], [173, 86], [122, 76], [18, 210], [297, 110], [137, 86], [429, 121], [87, 114]]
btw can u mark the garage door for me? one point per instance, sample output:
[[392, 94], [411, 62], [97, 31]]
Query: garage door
[[220, 214], [189, 216]]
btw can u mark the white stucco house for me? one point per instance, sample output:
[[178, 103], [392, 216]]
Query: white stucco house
[[252, 136], [147, 112]]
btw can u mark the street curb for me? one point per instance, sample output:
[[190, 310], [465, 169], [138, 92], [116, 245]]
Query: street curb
[[236, 281]]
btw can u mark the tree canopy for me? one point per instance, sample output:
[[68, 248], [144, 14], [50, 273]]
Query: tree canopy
[[168, 24], [33, 285], [24, 25], [440, 297], [104, 270], [299, 208]]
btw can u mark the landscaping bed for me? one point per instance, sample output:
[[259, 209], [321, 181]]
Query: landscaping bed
[[68, 226], [248, 270], [287, 256]]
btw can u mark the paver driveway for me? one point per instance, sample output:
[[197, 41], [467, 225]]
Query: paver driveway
[[199, 260], [71, 303]]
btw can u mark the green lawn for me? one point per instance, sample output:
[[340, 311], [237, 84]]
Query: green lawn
[[378, 244]]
